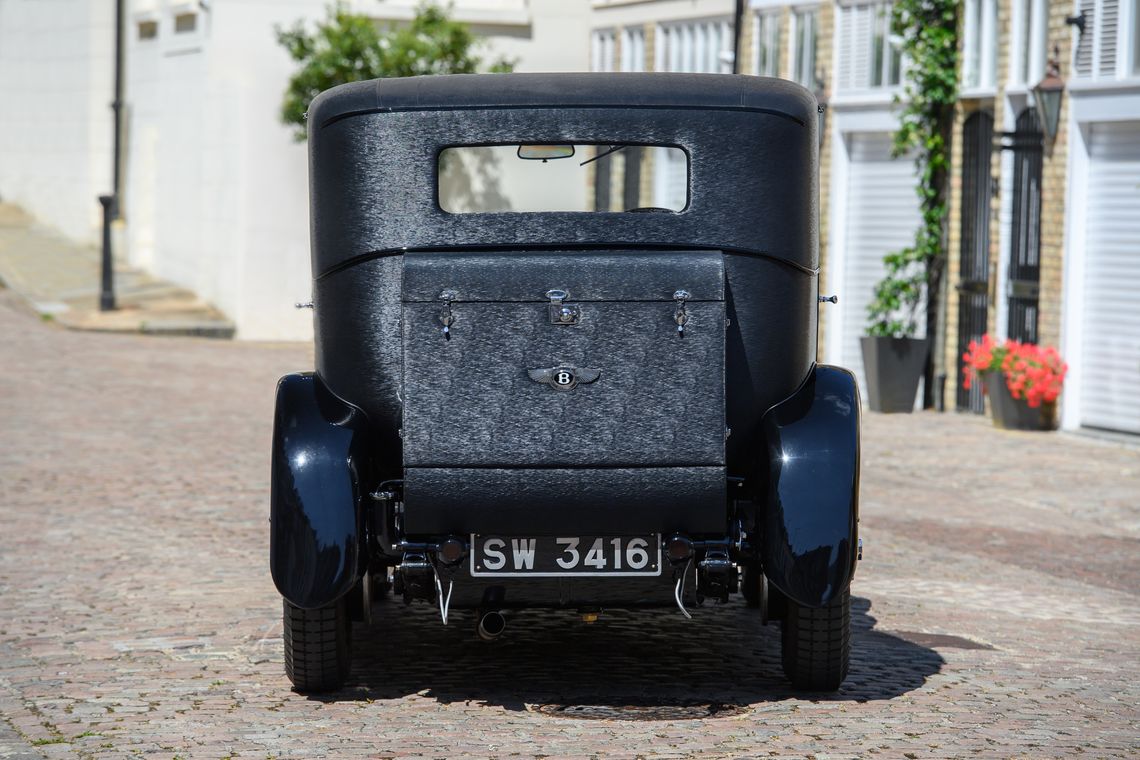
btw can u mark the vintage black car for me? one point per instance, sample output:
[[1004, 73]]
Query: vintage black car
[[565, 358]]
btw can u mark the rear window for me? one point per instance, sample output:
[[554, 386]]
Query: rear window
[[537, 178]]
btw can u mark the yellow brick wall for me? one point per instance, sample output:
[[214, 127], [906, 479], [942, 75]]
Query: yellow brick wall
[[785, 39], [823, 64], [747, 32], [1052, 199], [1053, 184], [954, 251], [650, 46], [824, 49]]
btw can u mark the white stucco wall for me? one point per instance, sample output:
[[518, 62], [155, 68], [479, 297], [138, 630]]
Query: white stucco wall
[[215, 189], [56, 87]]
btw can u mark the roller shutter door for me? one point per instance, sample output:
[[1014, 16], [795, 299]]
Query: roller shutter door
[[1110, 375], [882, 216]]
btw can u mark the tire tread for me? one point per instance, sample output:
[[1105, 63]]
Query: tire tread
[[817, 644], [317, 646]]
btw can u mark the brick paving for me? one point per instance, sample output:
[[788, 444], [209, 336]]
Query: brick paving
[[995, 612]]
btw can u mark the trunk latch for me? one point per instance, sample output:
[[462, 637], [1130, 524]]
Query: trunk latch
[[446, 318], [680, 316], [562, 313]]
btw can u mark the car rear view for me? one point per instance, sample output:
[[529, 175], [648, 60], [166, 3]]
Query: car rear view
[[565, 342]]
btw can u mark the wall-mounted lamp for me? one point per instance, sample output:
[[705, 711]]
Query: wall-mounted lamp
[[1047, 95], [1078, 21], [821, 110]]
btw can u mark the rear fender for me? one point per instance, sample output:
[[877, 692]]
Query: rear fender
[[808, 527], [316, 516]]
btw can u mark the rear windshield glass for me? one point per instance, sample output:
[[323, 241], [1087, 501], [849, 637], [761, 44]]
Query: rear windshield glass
[[536, 178]]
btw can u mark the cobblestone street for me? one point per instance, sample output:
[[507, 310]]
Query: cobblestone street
[[996, 609]]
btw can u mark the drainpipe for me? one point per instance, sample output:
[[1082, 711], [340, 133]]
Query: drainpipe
[[117, 105], [110, 202], [738, 15]]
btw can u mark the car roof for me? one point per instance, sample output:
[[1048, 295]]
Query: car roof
[[597, 90]]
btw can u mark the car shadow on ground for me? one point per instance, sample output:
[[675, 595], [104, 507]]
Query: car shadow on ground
[[634, 660]]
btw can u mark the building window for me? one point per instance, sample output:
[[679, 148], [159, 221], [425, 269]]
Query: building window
[[695, 47], [805, 24], [868, 55], [148, 30], [633, 49], [979, 65], [766, 44], [886, 60], [1136, 38], [1029, 28], [1097, 47], [602, 50], [185, 23]]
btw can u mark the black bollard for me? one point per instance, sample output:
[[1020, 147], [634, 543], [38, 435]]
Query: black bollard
[[107, 292]]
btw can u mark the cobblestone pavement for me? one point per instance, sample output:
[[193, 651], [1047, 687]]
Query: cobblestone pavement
[[995, 611]]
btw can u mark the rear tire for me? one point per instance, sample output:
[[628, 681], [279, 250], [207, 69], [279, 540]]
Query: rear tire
[[318, 646], [817, 644]]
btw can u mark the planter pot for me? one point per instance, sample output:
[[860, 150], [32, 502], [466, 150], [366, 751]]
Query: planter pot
[[1016, 414], [892, 367]]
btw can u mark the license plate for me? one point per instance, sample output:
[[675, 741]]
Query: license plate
[[550, 556]]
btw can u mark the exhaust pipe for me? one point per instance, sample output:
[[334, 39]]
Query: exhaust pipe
[[491, 625]]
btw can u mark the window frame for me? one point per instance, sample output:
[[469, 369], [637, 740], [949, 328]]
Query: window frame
[[795, 53], [632, 41], [891, 56], [871, 19], [603, 43], [1131, 26], [766, 24], [1029, 32], [694, 46], [189, 41]]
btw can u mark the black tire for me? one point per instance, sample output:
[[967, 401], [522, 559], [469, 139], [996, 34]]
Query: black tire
[[817, 644], [318, 646]]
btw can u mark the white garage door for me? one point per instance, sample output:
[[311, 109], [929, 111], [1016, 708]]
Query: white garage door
[[882, 216], [1110, 375]]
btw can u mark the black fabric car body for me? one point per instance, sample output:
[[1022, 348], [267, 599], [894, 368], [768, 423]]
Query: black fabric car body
[[565, 358]]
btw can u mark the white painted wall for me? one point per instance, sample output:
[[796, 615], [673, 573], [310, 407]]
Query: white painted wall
[[56, 87], [216, 196], [219, 188], [617, 13], [1092, 105], [215, 189]]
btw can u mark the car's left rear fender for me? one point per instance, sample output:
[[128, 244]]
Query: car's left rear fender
[[316, 547]]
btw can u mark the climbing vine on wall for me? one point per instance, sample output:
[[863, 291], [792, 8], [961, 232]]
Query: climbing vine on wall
[[927, 31]]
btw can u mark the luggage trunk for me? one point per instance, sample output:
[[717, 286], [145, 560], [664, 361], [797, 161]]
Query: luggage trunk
[[553, 392]]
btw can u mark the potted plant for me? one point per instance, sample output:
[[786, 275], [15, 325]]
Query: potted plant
[[1022, 380], [893, 358]]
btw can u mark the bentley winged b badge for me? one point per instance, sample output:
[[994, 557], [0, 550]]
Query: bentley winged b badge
[[564, 378]]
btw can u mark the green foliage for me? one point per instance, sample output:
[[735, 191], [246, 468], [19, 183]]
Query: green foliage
[[929, 33], [348, 47]]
